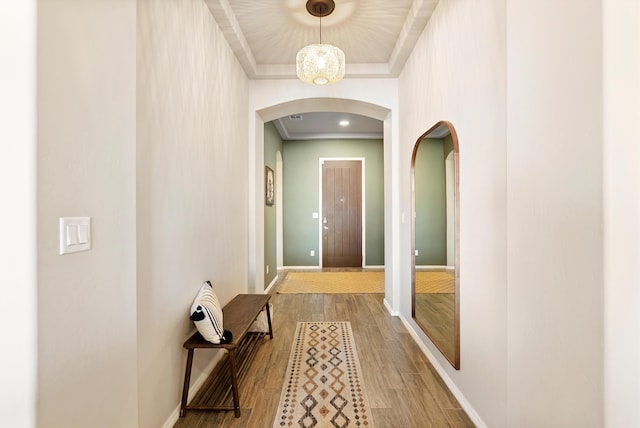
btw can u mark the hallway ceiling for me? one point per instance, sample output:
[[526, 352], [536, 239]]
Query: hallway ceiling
[[325, 125], [376, 36]]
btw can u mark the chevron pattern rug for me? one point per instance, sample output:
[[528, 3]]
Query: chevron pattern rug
[[323, 385]]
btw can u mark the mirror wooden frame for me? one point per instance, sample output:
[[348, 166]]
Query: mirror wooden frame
[[434, 131]]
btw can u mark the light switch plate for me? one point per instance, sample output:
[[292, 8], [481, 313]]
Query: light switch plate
[[75, 234]]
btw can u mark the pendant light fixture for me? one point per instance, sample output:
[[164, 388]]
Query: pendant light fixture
[[320, 63]]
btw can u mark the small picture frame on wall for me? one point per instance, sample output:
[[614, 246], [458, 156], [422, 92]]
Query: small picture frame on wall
[[269, 186]]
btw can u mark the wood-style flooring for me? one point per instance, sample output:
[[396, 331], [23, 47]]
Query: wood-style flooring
[[403, 387]]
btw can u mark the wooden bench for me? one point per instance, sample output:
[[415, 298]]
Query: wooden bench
[[239, 315]]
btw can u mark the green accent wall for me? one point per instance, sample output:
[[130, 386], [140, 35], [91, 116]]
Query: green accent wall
[[301, 175], [272, 145], [431, 203]]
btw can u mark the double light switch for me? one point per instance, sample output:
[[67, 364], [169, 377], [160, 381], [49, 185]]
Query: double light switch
[[75, 234]]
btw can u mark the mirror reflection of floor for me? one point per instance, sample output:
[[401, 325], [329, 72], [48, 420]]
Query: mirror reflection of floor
[[435, 308], [435, 312]]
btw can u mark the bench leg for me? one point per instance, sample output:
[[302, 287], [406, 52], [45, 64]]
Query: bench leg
[[185, 387], [269, 321], [234, 382]]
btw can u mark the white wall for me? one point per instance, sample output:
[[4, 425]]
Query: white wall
[[457, 73], [621, 24], [18, 306], [86, 167], [554, 205], [191, 188], [571, 221]]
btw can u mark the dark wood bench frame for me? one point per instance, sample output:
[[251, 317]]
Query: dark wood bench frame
[[239, 315]]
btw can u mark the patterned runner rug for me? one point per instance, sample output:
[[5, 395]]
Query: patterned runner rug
[[323, 386]]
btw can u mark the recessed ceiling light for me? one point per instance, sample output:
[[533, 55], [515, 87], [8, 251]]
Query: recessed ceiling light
[[344, 123]]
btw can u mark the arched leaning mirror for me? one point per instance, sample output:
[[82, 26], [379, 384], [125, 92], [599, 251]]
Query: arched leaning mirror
[[435, 276]]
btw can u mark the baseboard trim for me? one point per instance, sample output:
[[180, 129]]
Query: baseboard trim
[[273, 282], [468, 408], [320, 268], [389, 308], [193, 389], [302, 268], [434, 267]]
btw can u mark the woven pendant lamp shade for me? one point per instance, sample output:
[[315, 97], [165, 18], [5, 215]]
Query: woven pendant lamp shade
[[320, 64]]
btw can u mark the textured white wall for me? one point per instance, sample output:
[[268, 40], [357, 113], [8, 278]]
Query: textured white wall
[[457, 73], [555, 220], [552, 308], [621, 24], [18, 315], [191, 188], [86, 167]]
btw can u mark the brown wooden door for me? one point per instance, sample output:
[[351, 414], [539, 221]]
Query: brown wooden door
[[342, 214]]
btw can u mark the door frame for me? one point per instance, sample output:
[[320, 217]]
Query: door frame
[[362, 161]]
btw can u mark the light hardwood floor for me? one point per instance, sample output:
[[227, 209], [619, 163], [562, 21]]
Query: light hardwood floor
[[403, 387]]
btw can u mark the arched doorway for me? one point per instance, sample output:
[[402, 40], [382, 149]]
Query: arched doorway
[[256, 166]]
